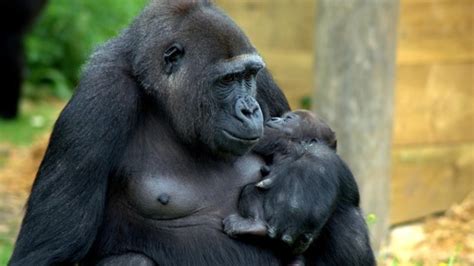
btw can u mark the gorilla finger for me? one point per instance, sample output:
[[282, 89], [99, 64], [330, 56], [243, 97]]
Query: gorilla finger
[[272, 232], [287, 239], [289, 236], [266, 183]]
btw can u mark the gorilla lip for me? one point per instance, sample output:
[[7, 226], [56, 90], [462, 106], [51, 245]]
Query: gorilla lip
[[236, 138]]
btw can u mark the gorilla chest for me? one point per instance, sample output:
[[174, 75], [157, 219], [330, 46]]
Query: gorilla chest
[[165, 189]]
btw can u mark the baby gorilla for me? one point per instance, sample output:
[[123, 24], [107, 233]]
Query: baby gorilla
[[300, 149]]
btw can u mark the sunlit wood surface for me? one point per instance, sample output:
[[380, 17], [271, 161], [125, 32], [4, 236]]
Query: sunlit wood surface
[[433, 138]]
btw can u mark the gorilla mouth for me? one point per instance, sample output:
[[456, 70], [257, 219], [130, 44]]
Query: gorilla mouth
[[234, 137]]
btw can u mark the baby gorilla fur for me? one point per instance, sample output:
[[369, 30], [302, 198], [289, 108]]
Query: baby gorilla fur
[[300, 149]]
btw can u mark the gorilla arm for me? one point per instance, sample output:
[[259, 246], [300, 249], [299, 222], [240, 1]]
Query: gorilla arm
[[66, 204]]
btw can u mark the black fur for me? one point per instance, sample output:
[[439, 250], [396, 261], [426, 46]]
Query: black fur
[[125, 85], [168, 105], [301, 150], [15, 18]]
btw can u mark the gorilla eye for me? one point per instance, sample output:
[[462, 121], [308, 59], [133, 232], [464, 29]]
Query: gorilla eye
[[250, 74], [172, 56], [228, 78]]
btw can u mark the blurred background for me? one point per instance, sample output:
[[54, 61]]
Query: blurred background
[[414, 92]]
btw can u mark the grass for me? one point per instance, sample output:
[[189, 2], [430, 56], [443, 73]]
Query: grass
[[6, 249], [35, 119]]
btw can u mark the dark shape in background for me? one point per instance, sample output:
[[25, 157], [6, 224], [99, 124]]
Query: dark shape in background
[[15, 19]]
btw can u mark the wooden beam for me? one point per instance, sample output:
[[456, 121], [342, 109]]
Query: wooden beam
[[355, 65]]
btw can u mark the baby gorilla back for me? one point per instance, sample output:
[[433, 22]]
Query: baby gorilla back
[[301, 151], [338, 230]]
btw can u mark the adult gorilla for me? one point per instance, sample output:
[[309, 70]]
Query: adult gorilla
[[151, 152]]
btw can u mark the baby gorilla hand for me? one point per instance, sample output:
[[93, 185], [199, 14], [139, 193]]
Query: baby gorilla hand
[[235, 225], [292, 211]]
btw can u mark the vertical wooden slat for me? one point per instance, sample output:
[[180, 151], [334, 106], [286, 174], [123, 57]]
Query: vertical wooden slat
[[355, 65]]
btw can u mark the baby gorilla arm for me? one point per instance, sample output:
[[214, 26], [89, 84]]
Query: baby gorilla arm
[[249, 221]]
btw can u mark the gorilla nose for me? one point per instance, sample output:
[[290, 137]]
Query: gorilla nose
[[247, 109]]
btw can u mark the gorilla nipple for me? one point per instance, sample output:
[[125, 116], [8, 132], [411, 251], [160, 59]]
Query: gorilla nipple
[[164, 199]]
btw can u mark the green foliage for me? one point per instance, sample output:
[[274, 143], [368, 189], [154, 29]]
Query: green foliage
[[6, 249], [306, 102], [395, 262], [454, 258], [371, 219], [65, 35]]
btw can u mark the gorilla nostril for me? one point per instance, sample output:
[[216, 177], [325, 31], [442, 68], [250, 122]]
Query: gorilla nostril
[[255, 109], [246, 112]]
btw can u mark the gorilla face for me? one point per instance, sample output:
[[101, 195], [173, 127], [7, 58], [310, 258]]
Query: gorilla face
[[239, 124], [301, 125], [203, 70], [288, 123]]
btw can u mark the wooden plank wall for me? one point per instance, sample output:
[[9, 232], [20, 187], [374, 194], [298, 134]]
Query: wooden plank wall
[[433, 151], [433, 145]]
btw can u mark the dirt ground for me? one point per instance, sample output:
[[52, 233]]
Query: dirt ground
[[446, 239], [16, 177]]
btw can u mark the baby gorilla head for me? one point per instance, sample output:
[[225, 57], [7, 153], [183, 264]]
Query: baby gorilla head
[[302, 125]]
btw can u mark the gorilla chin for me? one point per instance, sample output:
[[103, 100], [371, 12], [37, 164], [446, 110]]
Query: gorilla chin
[[238, 143], [234, 145]]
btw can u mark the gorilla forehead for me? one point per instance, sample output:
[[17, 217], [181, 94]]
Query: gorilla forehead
[[217, 32], [202, 26]]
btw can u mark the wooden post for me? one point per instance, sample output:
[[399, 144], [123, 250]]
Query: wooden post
[[355, 65]]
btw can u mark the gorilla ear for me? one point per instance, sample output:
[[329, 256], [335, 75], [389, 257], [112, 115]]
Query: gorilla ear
[[172, 56]]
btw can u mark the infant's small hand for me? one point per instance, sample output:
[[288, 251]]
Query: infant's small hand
[[235, 225]]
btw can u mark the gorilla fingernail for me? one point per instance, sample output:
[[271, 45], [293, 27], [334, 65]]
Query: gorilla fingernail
[[287, 239], [272, 232], [264, 184], [164, 199]]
